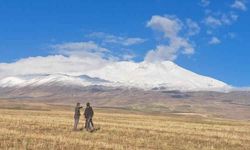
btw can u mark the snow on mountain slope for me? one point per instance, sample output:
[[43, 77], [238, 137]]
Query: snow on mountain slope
[[128, 74], [162, 74], [54, 79], [11, 81]]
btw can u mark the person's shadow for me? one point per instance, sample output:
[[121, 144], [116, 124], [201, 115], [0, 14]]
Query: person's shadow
[[93, 130]]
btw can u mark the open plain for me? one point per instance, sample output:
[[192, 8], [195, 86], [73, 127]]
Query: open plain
[[46, 126]]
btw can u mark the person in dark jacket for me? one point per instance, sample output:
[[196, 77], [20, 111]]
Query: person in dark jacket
[[77, 115], [89, 113]]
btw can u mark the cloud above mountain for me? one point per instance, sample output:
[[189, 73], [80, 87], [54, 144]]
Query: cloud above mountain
[[52, 64], [170, 27], [89, 48], [113, 39], [214, 40], [239, 4], [215, 20]]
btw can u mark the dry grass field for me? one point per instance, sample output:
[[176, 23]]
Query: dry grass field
[[50, 127]]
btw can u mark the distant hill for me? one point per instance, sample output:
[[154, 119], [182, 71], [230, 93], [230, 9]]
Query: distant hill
[[235, 105]]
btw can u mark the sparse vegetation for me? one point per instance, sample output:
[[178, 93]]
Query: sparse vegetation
[[119, 129]]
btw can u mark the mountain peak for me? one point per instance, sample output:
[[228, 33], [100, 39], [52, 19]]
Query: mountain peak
[[148, 75]]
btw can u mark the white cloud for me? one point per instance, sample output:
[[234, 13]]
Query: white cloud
[[193, 27], [170, 27], [215, 20], [162, 52], [228, 19], [220, 19], [52, 64], [85, 49], [70, 58], [78, 48], [205, 3], [132, 41], [239, 4], [214, 41], [109, 38], [212, 21]]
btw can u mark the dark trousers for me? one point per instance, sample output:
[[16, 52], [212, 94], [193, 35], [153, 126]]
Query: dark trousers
[[89, 123]]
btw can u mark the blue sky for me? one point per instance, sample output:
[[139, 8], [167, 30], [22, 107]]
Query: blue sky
[[208, 37]]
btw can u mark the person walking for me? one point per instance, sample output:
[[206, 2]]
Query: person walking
[[89, 113], [77, 115]]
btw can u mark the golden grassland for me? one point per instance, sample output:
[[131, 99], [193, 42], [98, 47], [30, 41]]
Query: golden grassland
[[119, 129]]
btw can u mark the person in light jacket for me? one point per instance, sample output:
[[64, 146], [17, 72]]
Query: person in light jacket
[[77, 115]]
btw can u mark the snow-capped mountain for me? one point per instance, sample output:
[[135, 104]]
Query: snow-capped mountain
[[166, 75], [162, 74], [51, 79]]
